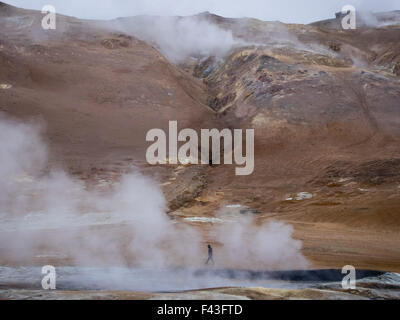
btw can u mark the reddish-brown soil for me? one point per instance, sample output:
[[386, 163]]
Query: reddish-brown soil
[[322, 125]]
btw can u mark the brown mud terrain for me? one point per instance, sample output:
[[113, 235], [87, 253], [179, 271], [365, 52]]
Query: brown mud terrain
[[324, 103]]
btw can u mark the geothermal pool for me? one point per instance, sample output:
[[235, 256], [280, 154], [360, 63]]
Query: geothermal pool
[[175, 280]]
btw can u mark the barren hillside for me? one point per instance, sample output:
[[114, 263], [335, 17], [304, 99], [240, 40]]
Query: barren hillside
[[324, 104]]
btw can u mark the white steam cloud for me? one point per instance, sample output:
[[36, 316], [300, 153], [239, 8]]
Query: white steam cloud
[[47, 215], [55, 214], [270, 245], [180, 38]]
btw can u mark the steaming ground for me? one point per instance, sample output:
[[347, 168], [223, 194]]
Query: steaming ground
[[139, 280], [52, 214], [204, 35], [46, 215], [125, 283], [179, 38]]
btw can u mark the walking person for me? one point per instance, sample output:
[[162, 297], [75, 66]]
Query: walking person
[[210, 256]]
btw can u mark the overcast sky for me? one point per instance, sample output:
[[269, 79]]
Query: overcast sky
[[296, 11]]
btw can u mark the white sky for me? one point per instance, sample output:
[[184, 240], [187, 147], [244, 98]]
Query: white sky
[[295, 11]]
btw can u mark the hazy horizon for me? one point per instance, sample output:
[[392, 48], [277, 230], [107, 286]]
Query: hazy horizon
[[289, 11]]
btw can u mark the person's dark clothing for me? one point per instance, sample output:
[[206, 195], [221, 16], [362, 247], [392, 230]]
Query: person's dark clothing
[[210, 255]]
